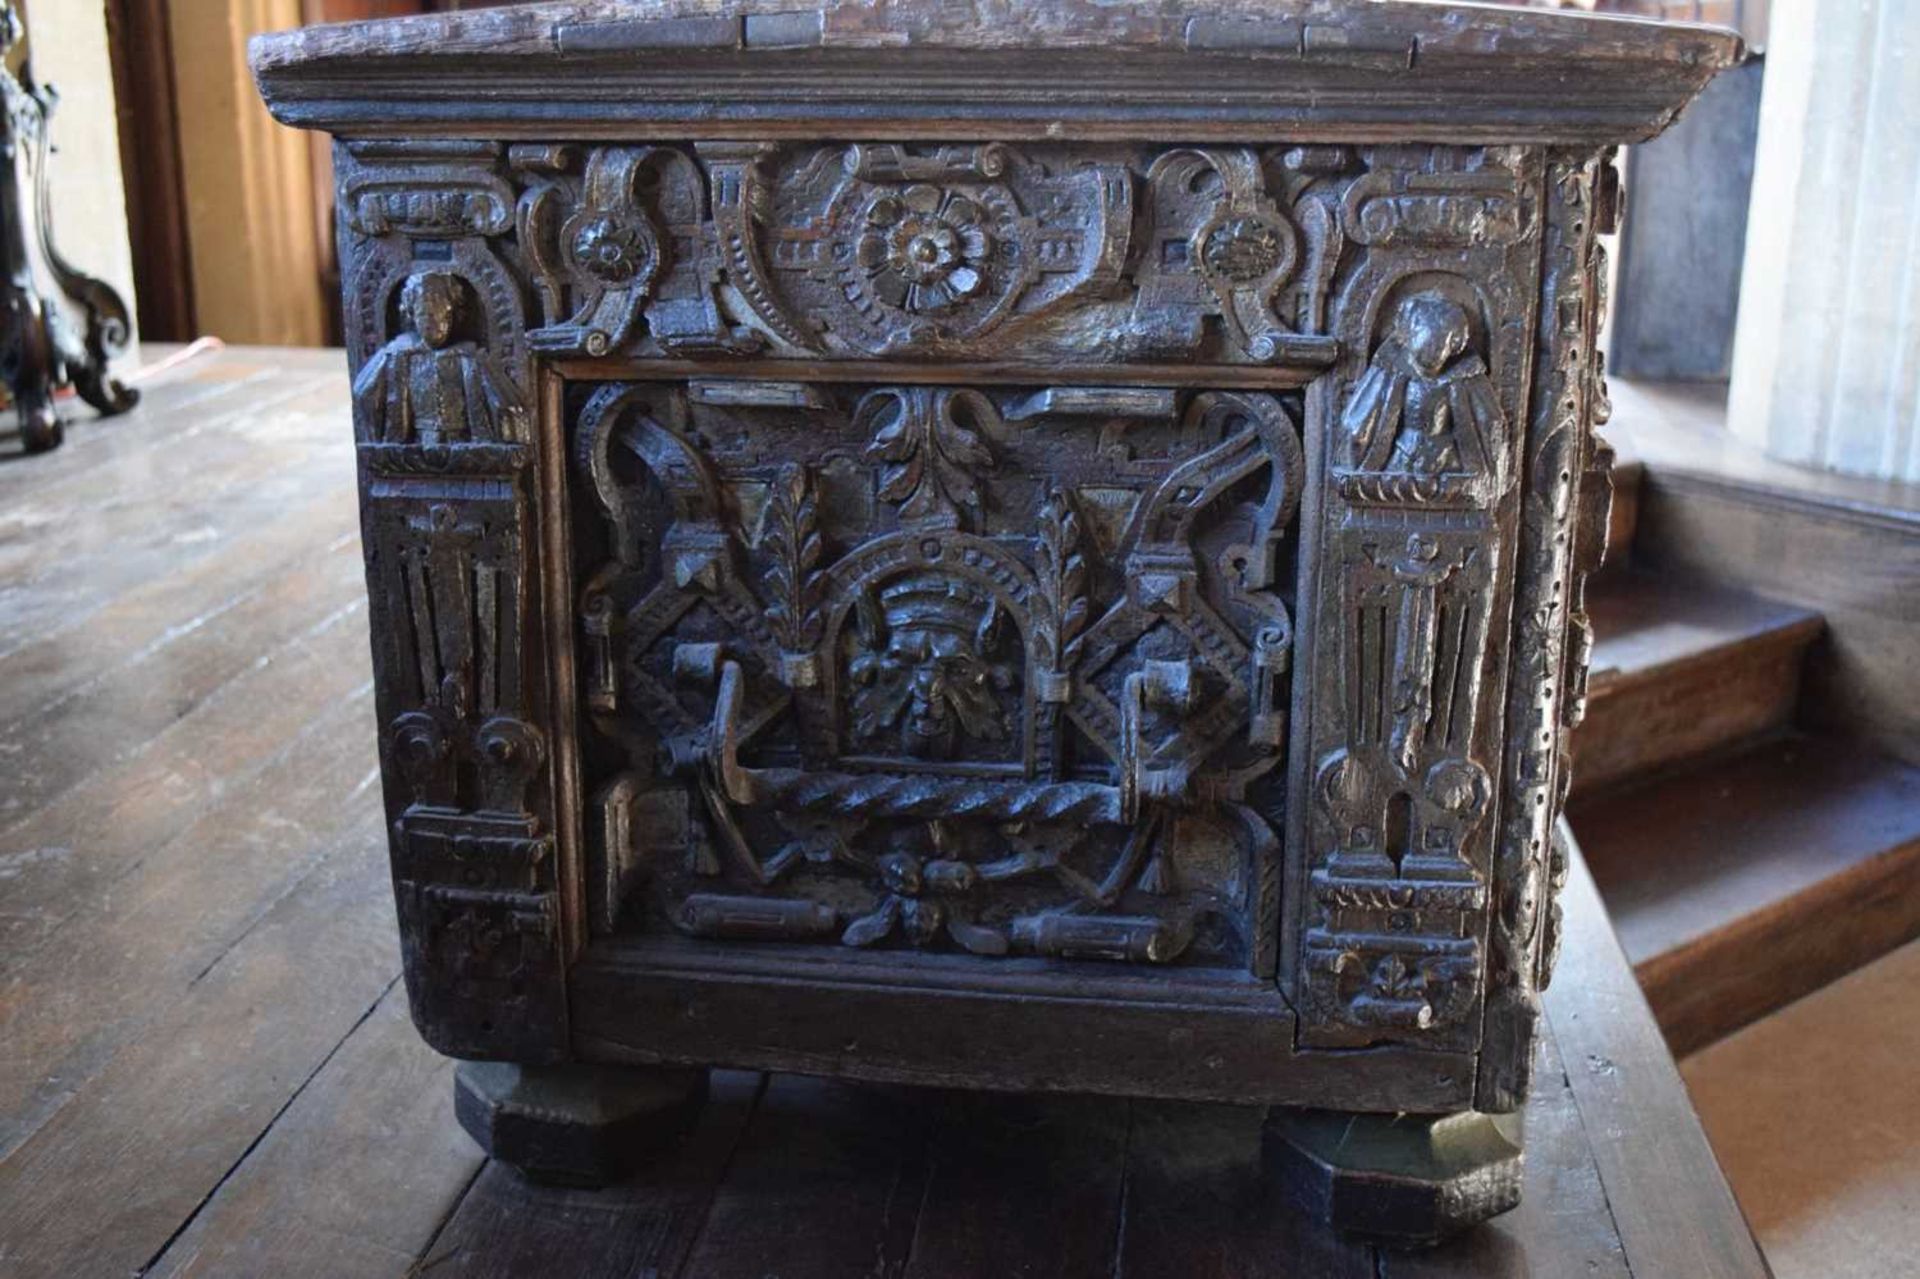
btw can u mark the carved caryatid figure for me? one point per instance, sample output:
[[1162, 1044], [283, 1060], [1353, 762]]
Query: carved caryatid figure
[[1426, 405], [423, 387]]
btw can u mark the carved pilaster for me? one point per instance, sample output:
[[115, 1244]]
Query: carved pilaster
[[436, 324], [1418, 436], [1562, 537]]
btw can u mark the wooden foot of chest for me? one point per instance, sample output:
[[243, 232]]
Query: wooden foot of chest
[[575, 1124], [1405, 1180]]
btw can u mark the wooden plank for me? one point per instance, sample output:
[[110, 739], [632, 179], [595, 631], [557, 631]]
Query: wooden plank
[[1199, 1203], [116, 715], [238, 481], [169, 405], [118, 962], [1725, 879], [65, 856], [509, 1227], [139, 458], [1670, 1202], [1023, 1186], [1192, 1032], [107, 1182], [1830, 1187], [354, 1179], [1844, 546], [159, 612], [827, 1182]]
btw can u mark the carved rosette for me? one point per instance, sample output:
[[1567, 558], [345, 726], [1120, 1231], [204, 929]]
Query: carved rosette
[[1091, 254]]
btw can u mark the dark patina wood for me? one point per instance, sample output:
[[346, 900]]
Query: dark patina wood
[[1035, 549]]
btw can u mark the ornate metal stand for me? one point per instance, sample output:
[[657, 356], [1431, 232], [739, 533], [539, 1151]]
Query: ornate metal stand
[[58, 325]]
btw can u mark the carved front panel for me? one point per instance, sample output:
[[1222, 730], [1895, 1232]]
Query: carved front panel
[[986, 669], [1081, 552]]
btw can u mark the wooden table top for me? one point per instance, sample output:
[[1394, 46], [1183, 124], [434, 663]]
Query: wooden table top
[[206, 1065]]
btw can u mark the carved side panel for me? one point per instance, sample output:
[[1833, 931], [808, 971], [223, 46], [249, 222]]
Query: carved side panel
[[989, 670], [1562, 538], [435, 328], [1420, 437]]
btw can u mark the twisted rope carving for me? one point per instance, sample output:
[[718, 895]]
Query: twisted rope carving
[[883, 795]]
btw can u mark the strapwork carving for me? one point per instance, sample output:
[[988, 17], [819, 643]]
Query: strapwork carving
[[889, 711]]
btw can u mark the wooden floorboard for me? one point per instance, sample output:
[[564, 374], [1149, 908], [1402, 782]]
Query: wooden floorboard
[[206, 1065], [109, 1179], [1023, 1186], [508, 1228], [189, 500], [1669, 1198], [354, 1179], [828, 1181]]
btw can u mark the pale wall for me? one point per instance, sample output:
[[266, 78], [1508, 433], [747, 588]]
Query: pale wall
[[249, 182], [68, 43], [1826, 366]]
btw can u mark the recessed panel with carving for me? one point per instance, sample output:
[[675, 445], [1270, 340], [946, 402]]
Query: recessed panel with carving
[[990, 670]]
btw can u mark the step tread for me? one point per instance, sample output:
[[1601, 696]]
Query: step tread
[[1644, 626], [1683, 857]]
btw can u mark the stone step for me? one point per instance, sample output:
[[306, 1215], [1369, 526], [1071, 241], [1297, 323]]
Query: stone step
[[1750, 879], [1682, 669]]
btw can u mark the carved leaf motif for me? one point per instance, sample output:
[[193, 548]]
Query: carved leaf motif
[[868, 929], [791, 537], [1063, 577], [930, 449]]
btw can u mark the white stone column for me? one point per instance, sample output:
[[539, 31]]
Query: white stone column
[[1826, 361]]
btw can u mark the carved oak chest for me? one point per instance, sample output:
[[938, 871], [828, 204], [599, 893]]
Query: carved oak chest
[[1029, 546]]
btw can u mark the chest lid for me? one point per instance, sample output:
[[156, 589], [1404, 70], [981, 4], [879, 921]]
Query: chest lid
[[1189, 70]]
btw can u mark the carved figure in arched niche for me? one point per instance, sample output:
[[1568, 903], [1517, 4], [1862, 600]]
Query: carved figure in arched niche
[[1426, 405], [427, 386]]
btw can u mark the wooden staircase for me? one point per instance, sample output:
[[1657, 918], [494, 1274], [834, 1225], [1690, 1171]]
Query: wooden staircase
[[1745, 860]]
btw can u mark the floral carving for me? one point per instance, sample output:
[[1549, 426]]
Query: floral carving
[[1063, 578], [924, 248], [911, 906], [930, 441], [617, 251]]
